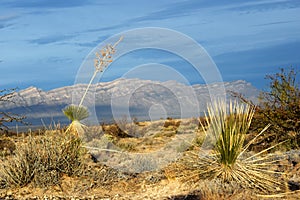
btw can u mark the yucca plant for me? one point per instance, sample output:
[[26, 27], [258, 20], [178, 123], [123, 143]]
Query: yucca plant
[[229, 130], [227, 126], [77, 113]]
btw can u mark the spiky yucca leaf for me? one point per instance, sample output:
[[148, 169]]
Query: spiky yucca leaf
[[74, 112]]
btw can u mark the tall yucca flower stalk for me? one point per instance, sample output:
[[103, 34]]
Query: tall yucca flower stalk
[[77, 113], [102, 60], [228, 125]]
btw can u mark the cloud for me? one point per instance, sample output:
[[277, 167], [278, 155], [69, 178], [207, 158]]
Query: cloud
[[107, 28], [93, 43], [186, 8], [172, 11], [57, 60], [266, 5], [252, 65], [51, 39], [274, 55], [183, 8], [2, 26], [5, 20], [8, 17], [47, 3], [274, 23]]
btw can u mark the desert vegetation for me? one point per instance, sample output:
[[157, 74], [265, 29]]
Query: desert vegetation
[[6, 95], [42, 159], [228, 161], [236, 151], [280, 106]]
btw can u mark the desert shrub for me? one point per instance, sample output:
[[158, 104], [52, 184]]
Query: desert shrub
[[104, 142], [183, 146], [165, 133], [280, 106], [41, 160], [142, 163], [92, 132], [7, 146], [170, 122], [115, 131], [127, 144], [7, 95], [128, 128]]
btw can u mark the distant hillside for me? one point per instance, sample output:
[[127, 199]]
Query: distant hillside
[[145, 99]]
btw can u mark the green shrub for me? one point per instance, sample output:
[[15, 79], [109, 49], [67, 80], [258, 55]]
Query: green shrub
[[280, 106]]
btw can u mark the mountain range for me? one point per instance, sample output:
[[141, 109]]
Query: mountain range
[[143, 99]]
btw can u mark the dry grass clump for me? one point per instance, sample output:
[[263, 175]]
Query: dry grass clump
[[228, 160], [7, 146], [216, 189], [42, 160]]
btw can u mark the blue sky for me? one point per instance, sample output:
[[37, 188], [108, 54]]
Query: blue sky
[[44, 42]]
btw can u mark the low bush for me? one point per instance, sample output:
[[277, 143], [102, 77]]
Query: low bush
[[41, 160], [280, 106]]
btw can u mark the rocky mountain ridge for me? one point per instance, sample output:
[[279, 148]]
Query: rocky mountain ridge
[[137, 96]]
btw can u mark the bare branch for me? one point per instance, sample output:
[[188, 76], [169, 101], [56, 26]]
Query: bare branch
[[6, 95]]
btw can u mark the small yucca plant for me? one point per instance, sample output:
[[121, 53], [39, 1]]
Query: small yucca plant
[[228, 125], [229, 128], [76, 114]]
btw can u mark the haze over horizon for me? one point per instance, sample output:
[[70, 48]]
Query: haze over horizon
[[43, 43]]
